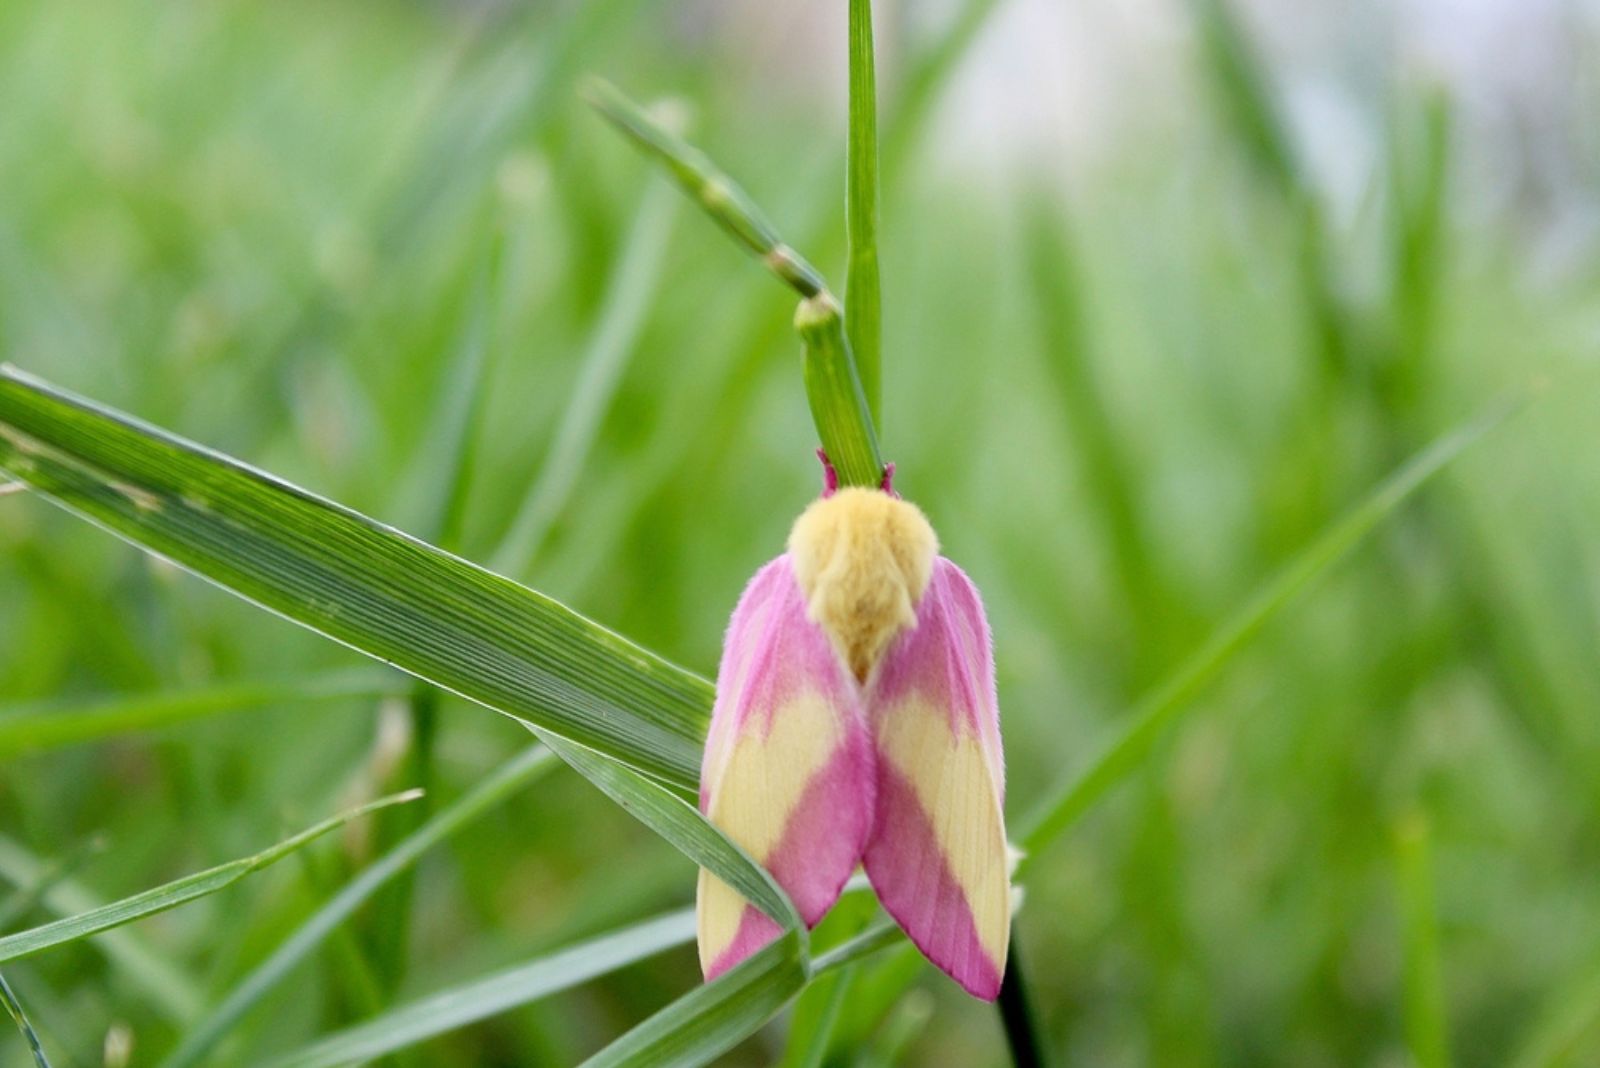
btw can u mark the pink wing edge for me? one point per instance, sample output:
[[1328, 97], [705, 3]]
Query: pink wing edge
[[773, 655], [946, 660]]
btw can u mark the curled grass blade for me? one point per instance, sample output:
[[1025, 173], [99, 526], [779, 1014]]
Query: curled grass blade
[[357, 581], [1163, 707], [47, 725], [713, 1018], [511, 777], [468, 1003], [179, 892]]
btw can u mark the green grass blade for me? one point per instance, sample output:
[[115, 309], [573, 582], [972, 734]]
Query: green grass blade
[[618, 323], [179, 892], [706, 183], [713, 1018], [1156, 713], [20, 1018], [1242, 85], [683, 826], [30, 896], [350, 578], [447, 466], [44, 725], [468, 1003], [1426, 1031], [1565, 1028], [833, 389], [511, 777], [868, 942], [168, 989], [863, 298], [816, 1015]]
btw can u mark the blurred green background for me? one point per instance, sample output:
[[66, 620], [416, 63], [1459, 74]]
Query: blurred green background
[[1167, 286]]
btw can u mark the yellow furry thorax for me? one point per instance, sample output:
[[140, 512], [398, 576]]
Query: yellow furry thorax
[[863, 559]]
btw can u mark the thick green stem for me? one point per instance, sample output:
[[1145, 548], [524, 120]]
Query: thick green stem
[[834, 390]]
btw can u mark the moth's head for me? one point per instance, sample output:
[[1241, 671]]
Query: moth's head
[[863, 559]]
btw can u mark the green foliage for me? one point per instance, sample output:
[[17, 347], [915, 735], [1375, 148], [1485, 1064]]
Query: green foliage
[[386, 253]]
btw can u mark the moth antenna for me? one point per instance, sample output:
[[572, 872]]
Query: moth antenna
[[887, 485], [830, 477]]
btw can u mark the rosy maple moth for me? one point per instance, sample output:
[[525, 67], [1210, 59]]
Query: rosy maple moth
[[856, 722]]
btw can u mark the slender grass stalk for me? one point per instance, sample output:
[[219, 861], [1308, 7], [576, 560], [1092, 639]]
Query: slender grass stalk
[[32, 895], [833, 383], [618, 324], [837, 404], [863, 298], [35, 727], [1166, 704], [179, 892], [448, 1010], [513, 776], [1427, 1033], [166, 986], [721, 198], [20, 1018], [868, 942]]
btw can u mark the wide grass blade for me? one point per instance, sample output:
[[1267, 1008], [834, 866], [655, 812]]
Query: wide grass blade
[[683, 826], [511, 777], [1159, 711], [44, 725], [179, 892], [448, 1010], [355, 580], [863, 297], [713, 1018], [20, 1018]]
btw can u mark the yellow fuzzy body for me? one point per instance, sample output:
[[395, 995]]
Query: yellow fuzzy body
[[863, 560]]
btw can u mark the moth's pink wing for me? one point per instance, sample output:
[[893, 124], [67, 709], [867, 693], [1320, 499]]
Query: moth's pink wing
[[937, 853], [788, 770]]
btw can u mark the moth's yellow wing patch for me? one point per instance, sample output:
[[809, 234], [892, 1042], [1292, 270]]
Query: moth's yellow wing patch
[[764, 771], [955, 783]]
